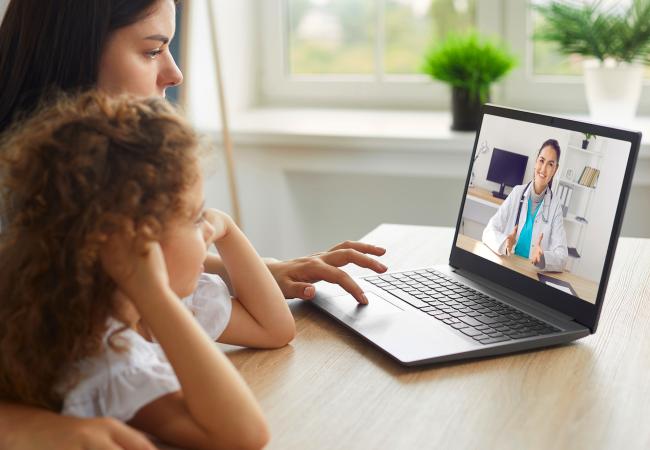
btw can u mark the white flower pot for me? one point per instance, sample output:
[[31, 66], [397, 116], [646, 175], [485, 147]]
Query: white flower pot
[[613, 89]]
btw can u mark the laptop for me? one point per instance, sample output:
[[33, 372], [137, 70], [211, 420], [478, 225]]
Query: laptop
[[489, 302]]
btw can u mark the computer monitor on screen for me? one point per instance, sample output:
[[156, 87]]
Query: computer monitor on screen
[[507, 169]]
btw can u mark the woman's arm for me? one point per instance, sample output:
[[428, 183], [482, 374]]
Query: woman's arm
[[29, 428], [296, 276], [215, 408], [260, 316]]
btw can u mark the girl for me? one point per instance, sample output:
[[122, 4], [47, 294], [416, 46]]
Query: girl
[[105, 231]]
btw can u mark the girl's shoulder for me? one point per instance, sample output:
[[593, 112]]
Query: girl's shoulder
[[130, 373]]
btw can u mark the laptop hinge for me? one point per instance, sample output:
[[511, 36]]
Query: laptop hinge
[[514, 296]]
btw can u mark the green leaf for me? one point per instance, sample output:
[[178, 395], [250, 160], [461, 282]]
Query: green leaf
[[590, 29]]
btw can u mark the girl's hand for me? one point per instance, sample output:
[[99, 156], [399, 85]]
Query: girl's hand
[[295, 276], [135, 263], [220, 221]]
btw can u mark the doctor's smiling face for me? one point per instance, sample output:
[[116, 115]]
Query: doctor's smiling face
[[546, 165]]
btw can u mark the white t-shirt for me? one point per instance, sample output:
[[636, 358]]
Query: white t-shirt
[[119, 384]]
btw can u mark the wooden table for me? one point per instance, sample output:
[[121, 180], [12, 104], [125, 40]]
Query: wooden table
[[330, 390], [586, 289]]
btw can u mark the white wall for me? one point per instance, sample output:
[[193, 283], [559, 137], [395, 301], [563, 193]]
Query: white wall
[[235, 27]]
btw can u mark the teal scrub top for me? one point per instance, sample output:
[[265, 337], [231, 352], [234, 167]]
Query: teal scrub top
[[526, 236]]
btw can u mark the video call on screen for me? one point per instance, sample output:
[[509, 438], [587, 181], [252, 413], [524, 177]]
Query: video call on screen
[[542, 200]]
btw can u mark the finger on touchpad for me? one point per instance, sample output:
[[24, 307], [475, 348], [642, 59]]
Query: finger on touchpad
[[376, 306]]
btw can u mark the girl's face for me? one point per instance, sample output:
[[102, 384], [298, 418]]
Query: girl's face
[[186, 242], [545, 167], [136, 58]]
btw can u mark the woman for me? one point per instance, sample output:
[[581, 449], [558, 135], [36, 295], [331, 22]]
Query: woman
[[123, 46], [117, 46], [529, 223]]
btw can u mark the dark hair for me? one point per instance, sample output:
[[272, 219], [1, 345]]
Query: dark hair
[[555, 146], [52, 45], [76, 172]]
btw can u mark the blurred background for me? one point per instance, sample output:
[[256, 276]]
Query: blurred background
[[336, 129]]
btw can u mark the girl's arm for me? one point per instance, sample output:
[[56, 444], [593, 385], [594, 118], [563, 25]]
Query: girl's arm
[[214, 264], [29, 428], [260, 316], [295, 276], [215, 408]]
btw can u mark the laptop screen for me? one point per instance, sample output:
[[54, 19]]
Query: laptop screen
[[542, 201]]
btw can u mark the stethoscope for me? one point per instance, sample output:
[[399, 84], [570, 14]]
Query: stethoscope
[[545, 207]]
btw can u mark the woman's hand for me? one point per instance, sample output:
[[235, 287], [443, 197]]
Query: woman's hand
[[536, 256], [30, 428], [510, 241], [136, 264], [295, 277], [100, 434]]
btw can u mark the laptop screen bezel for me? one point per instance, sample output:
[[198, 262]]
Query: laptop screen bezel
[[580, 310]]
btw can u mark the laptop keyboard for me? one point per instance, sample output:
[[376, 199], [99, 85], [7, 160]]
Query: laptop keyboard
[[473, 313]]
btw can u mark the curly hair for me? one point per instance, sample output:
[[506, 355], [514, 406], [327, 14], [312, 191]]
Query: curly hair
[[71, 175]]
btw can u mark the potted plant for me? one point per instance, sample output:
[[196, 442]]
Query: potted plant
[[469, 65], [585, 141], [616, 42]]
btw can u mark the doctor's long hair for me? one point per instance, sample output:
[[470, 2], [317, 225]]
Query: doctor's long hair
[[73, 174], [555, 146]]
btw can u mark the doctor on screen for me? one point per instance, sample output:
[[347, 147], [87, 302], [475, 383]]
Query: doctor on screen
[[529, 223]]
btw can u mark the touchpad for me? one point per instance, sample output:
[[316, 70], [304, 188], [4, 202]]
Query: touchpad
[[376, 306]]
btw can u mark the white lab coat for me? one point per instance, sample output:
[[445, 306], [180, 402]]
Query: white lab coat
[[554, 240]]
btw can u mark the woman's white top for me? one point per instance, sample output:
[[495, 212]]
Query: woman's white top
[[119, 384], [549, 222]]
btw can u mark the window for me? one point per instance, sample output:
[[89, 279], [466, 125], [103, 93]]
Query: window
[[362, 53], [546, 57], [331, 37], [367, 53], [368, 37]]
